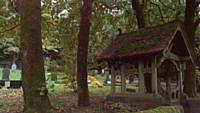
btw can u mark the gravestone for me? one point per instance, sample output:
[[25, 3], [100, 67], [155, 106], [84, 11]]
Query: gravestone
[[6, 73], [13, 67]]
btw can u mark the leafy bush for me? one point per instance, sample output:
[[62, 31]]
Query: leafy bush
[[50, 84]]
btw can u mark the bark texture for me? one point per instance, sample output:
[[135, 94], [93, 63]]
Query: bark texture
[[139, 12], [83, 39], [191, 26], [33, 74]]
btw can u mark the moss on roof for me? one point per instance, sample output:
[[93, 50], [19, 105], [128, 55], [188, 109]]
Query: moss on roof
[[141, 42]]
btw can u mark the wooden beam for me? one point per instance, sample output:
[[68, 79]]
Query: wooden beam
[[169, 46], [169, 55], [161, 60], [188, 45], [123, 79], [129, 71], [142, 88], [186, 58], [174, 56], [113, 75], [147, 69], [181, 71], [169, 89], [154, 76]]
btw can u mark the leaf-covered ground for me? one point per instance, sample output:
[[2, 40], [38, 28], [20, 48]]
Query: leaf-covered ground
[[11, 101]]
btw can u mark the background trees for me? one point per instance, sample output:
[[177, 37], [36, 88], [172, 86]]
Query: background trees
[[60, 22]]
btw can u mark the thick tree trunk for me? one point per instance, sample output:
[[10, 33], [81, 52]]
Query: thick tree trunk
[[33, 75], [83, 39], [190, 78], [138, 9]]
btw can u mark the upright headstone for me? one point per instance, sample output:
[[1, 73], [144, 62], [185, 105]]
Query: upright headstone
[[6, 73], [13, 67]]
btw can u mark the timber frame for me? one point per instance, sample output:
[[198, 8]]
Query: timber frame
[[176, 51]]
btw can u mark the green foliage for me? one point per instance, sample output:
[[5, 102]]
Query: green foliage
[[160, 11], [9, 20], [50, 84], [9, 46], [100, 78]]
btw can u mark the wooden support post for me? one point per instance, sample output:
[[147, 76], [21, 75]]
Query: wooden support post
[[154, 76], [141, 78], [181, 70], [113, 80], [169, 91], [107, 76], [123, 80]]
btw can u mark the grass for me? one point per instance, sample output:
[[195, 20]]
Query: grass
[[13, 75], [16, 75], [51, 85], [100, 78]]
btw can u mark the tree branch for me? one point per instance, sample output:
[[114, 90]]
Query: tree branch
[[11, 28], [139, 12], [160, 11], [167, 6], [105, 6]]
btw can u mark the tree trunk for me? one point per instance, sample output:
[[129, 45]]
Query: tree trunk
[[83, 40], [190, 80], [138, 9], [191, 23], [33, 75]]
